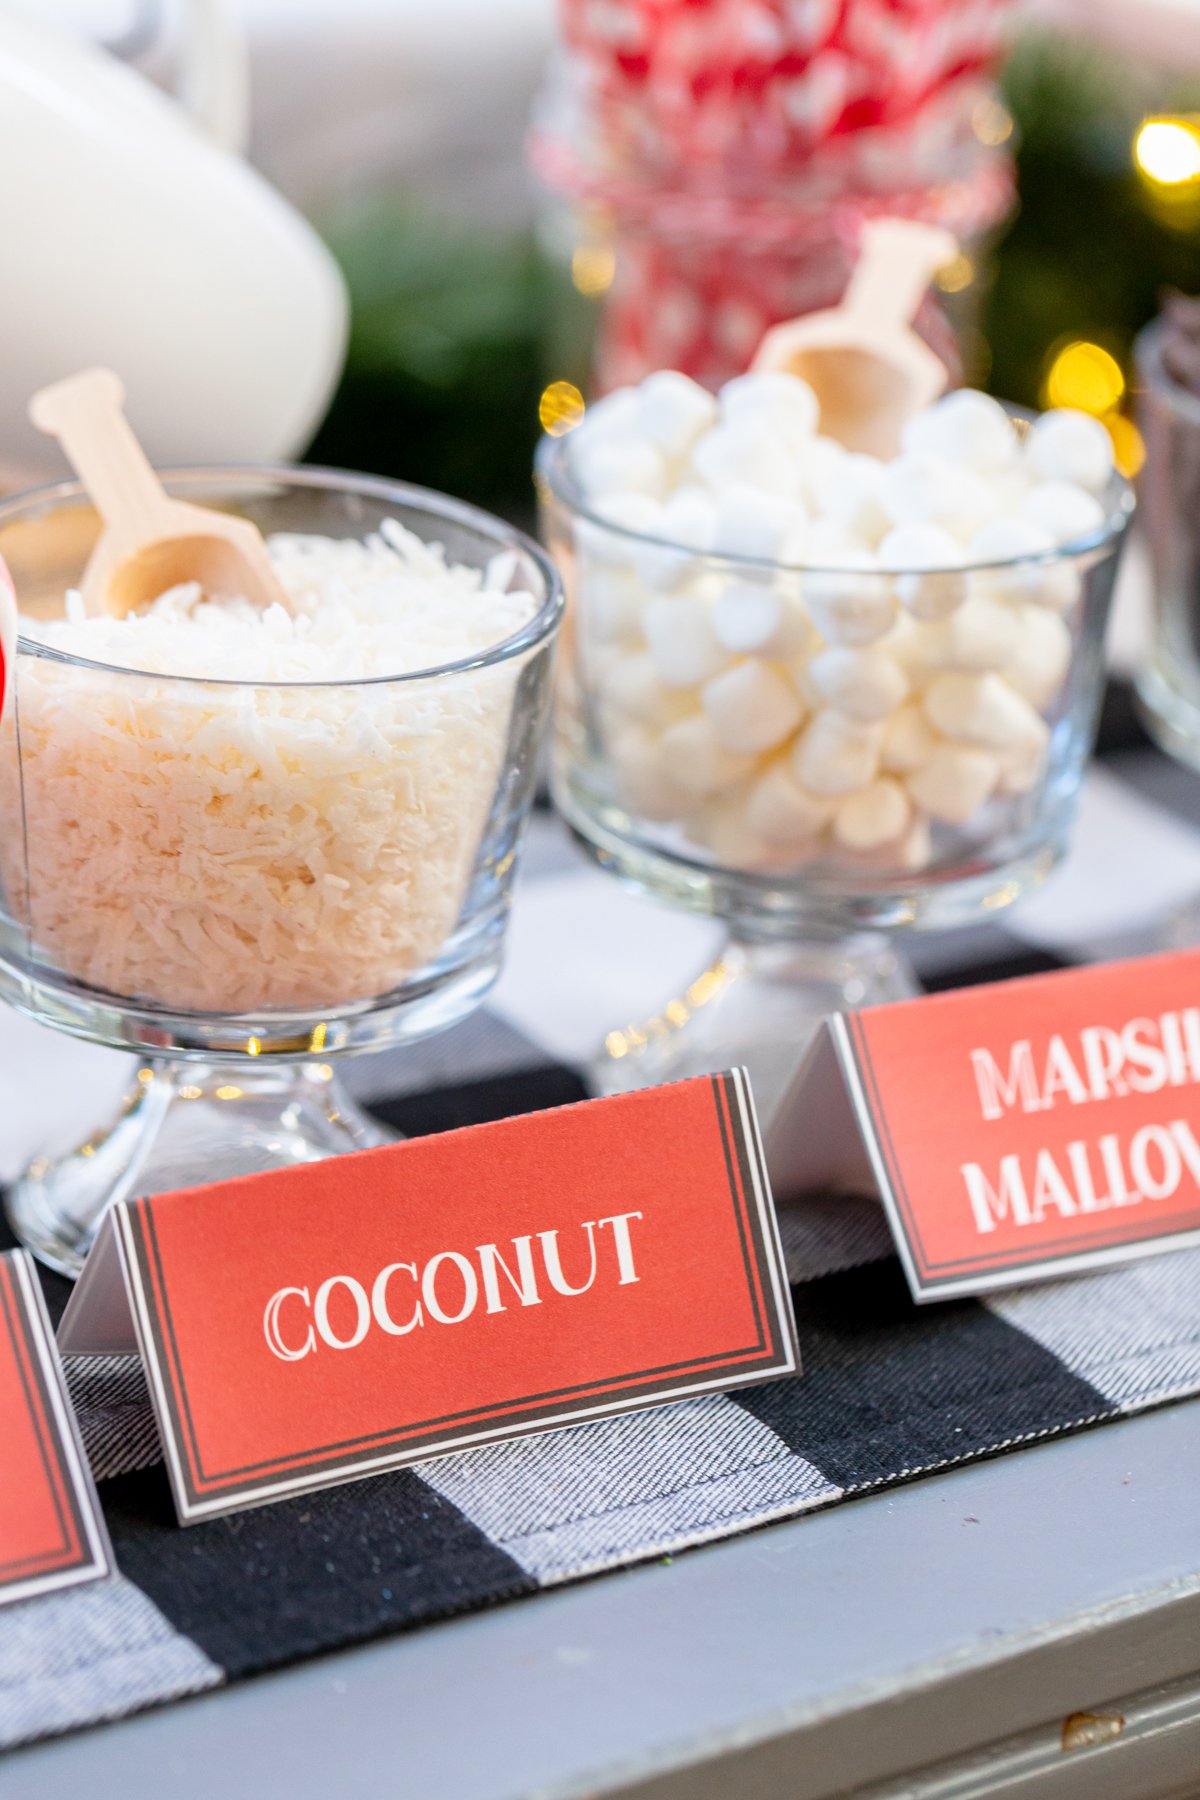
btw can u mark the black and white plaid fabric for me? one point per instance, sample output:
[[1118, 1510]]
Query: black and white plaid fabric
[[889, 1391]]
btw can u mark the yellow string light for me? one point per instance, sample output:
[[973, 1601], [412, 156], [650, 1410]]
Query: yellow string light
[[991, 122], [1167, 151], [593, 267], [955, 275], [1129, 448], [1083, 375], [560, 408]]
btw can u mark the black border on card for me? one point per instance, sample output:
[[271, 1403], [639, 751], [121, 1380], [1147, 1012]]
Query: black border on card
[[83, 1552], [773, 1353]]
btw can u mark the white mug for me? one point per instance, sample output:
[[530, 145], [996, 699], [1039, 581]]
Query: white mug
[[133, 234]]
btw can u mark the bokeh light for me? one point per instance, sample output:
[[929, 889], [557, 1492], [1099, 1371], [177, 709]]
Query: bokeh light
[[1167, 151], [1084, 375], [560, 408], [955, 275], [592, 269], [991, 122], [1129, 449]]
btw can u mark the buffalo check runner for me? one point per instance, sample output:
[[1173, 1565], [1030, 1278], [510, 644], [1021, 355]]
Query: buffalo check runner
[[889, 1391]]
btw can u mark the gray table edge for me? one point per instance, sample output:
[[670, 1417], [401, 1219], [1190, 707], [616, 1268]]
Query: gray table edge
[[831, 1651]]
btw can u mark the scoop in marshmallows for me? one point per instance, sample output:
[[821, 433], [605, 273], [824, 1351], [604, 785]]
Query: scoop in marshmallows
[[838, 652], [273, 836]]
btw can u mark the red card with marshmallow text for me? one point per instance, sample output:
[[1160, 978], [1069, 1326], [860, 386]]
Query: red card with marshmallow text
[[1014, 1132]]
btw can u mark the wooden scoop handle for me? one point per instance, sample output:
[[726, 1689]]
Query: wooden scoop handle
[[896, 260], [85, 413]]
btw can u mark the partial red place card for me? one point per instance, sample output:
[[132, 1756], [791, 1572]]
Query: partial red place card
[[1014, 1132], [8, 636], [348, 1317], [51, 1531]]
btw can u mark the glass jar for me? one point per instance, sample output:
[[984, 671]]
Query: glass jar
[[680, 263], [238, 880], [1168, 684], [815, 834]]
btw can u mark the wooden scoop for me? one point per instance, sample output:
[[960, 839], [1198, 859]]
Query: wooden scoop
[[868, 368], [149, 542]]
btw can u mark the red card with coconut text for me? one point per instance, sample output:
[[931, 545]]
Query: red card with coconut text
[[1017, 1131], [333, 1321]]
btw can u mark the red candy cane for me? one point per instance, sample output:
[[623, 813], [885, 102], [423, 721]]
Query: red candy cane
[[8, 634]]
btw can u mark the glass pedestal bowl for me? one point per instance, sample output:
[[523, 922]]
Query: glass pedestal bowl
[[240, 881], [820, 809]]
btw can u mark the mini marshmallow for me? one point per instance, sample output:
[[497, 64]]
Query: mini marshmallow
[[851, 608], [753, 620], [1067, 512], [1022, 769], [784, 399], [955, 782], [751, 522], [754, 457], [694, 757], [828, 545], [920, 647], [923, 551], [612, 462], [921, 489], [1070, 446], [1051, 583], [966, 428], [1007, 537], [673, 410], [722, 828], [835, 754], [689, 518], [847, 491], [615, 411], [982, 709], [864, 684], [823, 457], [751, 708], [610, 605], [600, 547], [681, 531], [782, 811], [643, 785], [874, 815], [915, 849], [983, 634], [909, 740], [632, 686], [682, 642], [1038, 665]]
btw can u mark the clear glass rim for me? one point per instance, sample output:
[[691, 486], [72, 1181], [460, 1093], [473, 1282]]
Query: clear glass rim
[[536, 631], [1148, 348], [553, 467]]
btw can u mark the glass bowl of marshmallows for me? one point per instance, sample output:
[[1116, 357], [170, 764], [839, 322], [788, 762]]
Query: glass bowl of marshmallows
[[237, 841], [823, 696]]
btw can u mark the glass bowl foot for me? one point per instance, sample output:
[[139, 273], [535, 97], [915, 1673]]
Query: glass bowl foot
[[183, 1124], [757, 1006]]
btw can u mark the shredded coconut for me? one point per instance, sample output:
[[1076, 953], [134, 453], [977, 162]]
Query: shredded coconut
[[252, 848]]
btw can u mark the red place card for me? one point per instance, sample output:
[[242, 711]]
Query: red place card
[[51, 1531], [1014, 1132], [337, 1320], [8, 636]]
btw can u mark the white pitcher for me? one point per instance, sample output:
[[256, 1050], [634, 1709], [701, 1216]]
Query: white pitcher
[[133, 234]]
